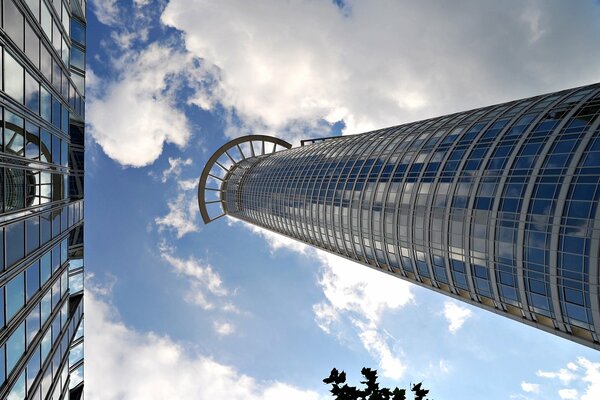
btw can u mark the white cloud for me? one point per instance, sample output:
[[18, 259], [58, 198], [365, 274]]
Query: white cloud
[[175, 166], [354, 294], [136, 114], [182, 215], [106, 11], [134, 365], [564, 375], [456, 314], [591, 377], [223, 328], [572, 366], [204, 282], [582, 378], [280, 65], [530, 387], [568, 394]]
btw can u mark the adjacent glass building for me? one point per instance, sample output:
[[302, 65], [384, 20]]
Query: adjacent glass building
[[42, 53], [496, 206]]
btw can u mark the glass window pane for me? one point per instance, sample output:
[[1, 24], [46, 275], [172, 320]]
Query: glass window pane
[[77, 32], [32, 141], [45, 307], [32, 93], [15, 242], [14, 135], [15, 347], [13, 78], [32, 226], [46, 62], [45, 268], [46, 20], [34, 6], [33, 323], [32, 280], [15, 296], [13, 22], [46, 104], [55, 115], [18, 390], [77, 58], [32, 45], [33, 368]]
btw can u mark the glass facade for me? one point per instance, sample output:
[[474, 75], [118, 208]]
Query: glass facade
[[42, 54], [495, 206]]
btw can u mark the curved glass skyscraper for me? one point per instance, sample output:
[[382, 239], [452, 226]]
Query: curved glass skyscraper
[[496, 206]]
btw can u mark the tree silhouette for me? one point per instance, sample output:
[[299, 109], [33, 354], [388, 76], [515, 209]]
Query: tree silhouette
[[341, 391]]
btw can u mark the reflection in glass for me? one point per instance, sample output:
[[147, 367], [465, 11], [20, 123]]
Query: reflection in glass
[[32, 45], [18, 390], [13, 23], [45, 104], [13, 78], [32, 93], [15, 296], [15, 347], [13, 134], [15, 242], [32, 141]]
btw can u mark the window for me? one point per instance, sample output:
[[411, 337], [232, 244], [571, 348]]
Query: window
[[45, 307], [32, 141], [46, 105], [14, 138], [45, 268], [18, 390], [13, 22], [33, 368], [77, 32], [46, 63], [77, 58], [15, 347], [15, 242], [32, 45], [32, 93], [32, 280], [15, 296], [32, 230], [13, 78], [33, 324], [34, 6]]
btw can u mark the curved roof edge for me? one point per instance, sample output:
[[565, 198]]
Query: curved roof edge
[[214, 161]]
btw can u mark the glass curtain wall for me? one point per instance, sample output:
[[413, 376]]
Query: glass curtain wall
[[495, 206], [42, 48]]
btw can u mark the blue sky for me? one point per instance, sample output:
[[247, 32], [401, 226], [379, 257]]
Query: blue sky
[[175, 309]]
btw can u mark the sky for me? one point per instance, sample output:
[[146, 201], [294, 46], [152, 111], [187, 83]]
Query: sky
[[179, 310]]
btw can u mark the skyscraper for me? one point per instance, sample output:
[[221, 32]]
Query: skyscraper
[[41, 199], [496, 206]]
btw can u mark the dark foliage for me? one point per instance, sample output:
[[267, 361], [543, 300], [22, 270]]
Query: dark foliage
[[341, 391]]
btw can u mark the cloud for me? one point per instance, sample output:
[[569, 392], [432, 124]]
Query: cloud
[[106, 11], [581, 378], [355, 295], [456, 314], [204, 282], [182, 215], [174, 170], [278, 65], [137, 113], [530, 387], [130, 364], [564, 375], [568, 394], [223, 328]]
